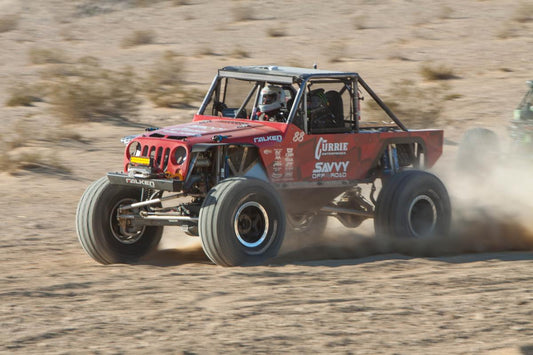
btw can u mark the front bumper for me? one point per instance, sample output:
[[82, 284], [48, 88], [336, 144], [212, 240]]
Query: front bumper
[[156, 184]]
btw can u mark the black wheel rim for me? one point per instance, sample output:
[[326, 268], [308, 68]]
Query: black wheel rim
[[422, 216], [122, 233], [251, 224]]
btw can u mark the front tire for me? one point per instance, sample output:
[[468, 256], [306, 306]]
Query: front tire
[[413, 204], [241, 222], [99, 232]]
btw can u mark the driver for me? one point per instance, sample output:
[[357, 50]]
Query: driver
[[272, 104]]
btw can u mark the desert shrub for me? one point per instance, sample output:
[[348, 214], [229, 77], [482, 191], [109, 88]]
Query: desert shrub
[[205, 50], [138, 38], [38, 161], [506, 30], [359, 22], [416, 106], [445, 12], [238, 52], [16, 136], [278, 31], [94, 93], [4, 162], [47, 56], [523, 13], [436, 72], [8, 23], [164, 83], [336, 51], [23, 95], [89, 8], [18, 156], [242, 12], [167, 70]]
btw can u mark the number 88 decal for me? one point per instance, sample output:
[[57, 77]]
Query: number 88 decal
[[298, 137]]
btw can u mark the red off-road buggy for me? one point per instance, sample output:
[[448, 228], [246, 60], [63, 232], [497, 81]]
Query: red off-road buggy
[[241, 179]]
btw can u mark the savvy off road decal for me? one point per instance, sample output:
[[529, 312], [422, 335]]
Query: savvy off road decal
[[334, 169]]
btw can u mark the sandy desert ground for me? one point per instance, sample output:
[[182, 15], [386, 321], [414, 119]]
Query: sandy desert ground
[[343, 292]]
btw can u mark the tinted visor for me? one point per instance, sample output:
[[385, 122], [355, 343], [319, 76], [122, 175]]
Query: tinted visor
[[269, 98]]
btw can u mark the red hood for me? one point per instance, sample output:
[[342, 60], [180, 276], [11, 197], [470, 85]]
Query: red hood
[[231, 130]]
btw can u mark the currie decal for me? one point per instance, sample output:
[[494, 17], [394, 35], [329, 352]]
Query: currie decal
[[276, 138], [325, 148], [140, 182], [335, 169]]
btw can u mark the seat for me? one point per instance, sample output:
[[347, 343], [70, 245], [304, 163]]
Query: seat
[[336, 107]]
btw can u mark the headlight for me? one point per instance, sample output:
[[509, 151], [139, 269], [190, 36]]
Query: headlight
[[128, 139], [134, 149], [180, 154]]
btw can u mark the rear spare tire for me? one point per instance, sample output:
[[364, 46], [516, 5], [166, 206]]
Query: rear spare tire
[[241, 222], [99, 231], [478, 152], [413, 204]]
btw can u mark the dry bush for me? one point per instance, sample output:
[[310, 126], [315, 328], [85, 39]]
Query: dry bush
[[507, 30], [23, 95], [415, 106], [239, 53], [62, 134], [205, 50], [523, 13], [445, 12], [93, 93], [336, 51], [436, 72], [47, 56], [8, 23], [164, 84], [89, 8], [18, 156], [243, 12], [138, 38], [16, 136], [359, 22], [44, 163], [278, 31]]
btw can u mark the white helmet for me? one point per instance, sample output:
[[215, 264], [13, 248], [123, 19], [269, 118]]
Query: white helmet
[[272, 98]]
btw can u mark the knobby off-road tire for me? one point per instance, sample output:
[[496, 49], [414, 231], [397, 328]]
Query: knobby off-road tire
[[478, 152], [413, 204], [241, 222], [98, 229]]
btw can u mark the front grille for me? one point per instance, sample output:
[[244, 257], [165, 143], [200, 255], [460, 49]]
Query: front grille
[[160, 155]]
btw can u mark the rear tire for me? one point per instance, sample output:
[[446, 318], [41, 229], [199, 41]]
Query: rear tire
[[413, 204], [241, 222], [99, 232]]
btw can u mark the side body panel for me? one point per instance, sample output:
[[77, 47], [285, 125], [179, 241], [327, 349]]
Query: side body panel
[[339, 157]]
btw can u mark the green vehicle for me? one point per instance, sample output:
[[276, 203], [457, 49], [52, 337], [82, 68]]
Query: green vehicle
[[521, 130], [479, 148]]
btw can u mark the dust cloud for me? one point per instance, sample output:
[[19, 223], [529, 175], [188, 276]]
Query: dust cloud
[[491, 212]]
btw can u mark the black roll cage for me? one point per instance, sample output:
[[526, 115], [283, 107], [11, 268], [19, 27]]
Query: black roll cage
[[304, 80]]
